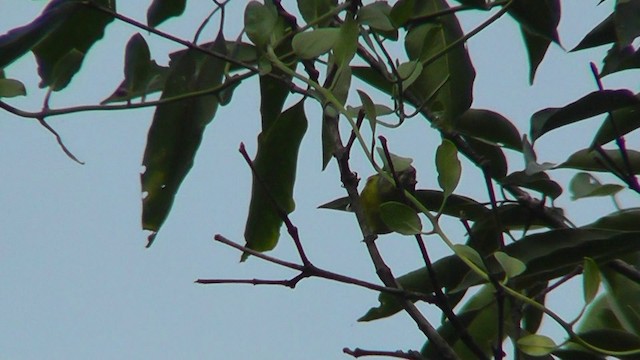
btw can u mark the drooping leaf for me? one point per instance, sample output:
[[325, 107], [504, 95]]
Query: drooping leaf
[[446, 83], [539, 17], [489, 126], [591, 160], [137, 60], [603, 33], [313, 43], [260, 21], [619, 59], [618, 123], [585, 185], [448, 167], [275, 165], [311, 10], [370, 111], [590, 280], [161, 10], [536, 345], [622, 220], [627, 20], [546, 255], [409, 72], [11, 88], [77, 33], [536, 49], [176, 132], [538, 181], [595, 103], [400, 218]]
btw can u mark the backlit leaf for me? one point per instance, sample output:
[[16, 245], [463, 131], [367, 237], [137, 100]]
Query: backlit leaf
[[275, 164], [176, 132], [590, 280], [511, 266], [11, 88], [536, 345], [448, 167], [400, 218], [311, 44], [584, 185], [376, 15]]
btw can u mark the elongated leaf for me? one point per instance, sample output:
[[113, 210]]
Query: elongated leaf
[[623, 295], [540, 17], [590, 160], [79, 31], [546, 255], [489, 126], [595, 103], [491, 155], [448, 167], [373, 78], [137, 61], [584, 185], [176, 132], [627, 20], [346, 46], [622, 220], [536, 49], [625, 120], [446, 83], [311, 44], [161, 10], [538, 181], [603, 33], [536, 345], [613, 340], [275, 165], [590, 280], [19, 41]]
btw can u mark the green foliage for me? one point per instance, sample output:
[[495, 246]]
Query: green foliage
[[515, 243]]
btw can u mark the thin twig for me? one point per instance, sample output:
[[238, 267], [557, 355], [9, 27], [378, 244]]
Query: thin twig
[[411, 355], [59, 140]]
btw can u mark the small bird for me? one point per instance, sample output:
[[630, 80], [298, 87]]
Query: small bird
[[378, 190]]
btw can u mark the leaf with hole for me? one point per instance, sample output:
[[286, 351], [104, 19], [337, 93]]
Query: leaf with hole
[[585, 185]]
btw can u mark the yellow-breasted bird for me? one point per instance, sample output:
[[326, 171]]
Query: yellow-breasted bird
[[378, 190]]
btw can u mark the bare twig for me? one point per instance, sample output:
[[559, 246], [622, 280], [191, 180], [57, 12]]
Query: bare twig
[[59, 140], [358, 353]]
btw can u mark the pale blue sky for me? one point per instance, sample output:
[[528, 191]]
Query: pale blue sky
[[77, 283]]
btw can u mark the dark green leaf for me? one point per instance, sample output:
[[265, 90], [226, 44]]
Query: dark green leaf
[[137, 61], [401, 12], [625, 120], [275, 165], [176, 132], [584, 185], [546, 255], [492, 155], [373, 78], [539, 181], [448, 167], [65, 68], [599, 315], [536, 345], [311, 44], [539, 17], [161, 10], [613, 340], [446, 83], [532, 316], [18, 41], [260, 21], [590, 280], [409, 72], [376, 15], [156, 81], [627, 20], [619, 59], [622, 220], [11, 88], [604, 33], [347, 43], [400, 218], [595, 103], [590, 160], [476, 3], [489, 126], [313, 9], [565, 354], [79, 31], [536, 49]]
